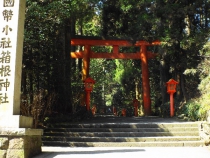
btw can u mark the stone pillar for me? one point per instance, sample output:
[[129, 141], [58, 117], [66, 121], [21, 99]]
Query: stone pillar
[[20, 142], [13, 127]]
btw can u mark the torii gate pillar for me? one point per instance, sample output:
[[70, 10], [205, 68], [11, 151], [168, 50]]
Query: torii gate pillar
[[145, 81], [86, 62], [144, 55], [145, 75]]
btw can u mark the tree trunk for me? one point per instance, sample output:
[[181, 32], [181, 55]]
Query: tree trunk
[[80, 60], [178, 87], [67, 71], [31, 91], [23, 82], [163, 78], [183, 87], [30, 76]]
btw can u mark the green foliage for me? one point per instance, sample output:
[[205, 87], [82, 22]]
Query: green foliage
[[46, 59], [205, 85], [62, 118], [182, 25], [205, 97], [192, 110], [205, 106], [165, 109], [198, 107], [119, 71], [132, 19], [118, 99]]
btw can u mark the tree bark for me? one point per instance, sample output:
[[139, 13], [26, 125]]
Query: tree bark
[[67, 79], [163, 77]]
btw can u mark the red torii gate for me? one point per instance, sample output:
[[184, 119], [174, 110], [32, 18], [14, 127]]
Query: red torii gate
[[144, 55]]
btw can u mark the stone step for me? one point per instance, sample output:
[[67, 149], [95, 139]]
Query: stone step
[[170, 129], [121, 139], [122, 134], [125, 125], [104, 115], [125, 144]]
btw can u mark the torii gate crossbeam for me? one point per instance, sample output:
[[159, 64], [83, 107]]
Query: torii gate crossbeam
[[143, 54]]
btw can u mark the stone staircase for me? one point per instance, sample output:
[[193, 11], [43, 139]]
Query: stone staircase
[[124, 133]]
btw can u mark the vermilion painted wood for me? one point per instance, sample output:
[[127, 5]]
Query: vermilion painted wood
[[145, 81], [171, 89], [144, 55], [86, 62], [83, 42], [93, 42], [88, 90], [115, 55]]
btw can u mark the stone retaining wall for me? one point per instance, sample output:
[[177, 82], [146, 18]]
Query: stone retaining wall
[[208, 116], [205, 133], [20, 143]]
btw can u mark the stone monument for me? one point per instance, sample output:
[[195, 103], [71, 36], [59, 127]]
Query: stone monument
[[17, 139]]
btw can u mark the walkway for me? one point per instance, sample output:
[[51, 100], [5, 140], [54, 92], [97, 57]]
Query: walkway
[[125, 152], [104, 152]]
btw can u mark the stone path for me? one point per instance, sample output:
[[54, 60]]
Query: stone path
[[105, 152], [126, 152]]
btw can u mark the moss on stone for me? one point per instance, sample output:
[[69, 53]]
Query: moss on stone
[[3, 153], [15, 153], [4, 143]]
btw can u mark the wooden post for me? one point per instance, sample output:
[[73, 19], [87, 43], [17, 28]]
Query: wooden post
[[145, 81], [89, 82], [171, 89], [171, 104], [86, 62]]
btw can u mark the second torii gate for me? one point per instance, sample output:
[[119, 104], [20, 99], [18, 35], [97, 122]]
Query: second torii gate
[[143, 54]]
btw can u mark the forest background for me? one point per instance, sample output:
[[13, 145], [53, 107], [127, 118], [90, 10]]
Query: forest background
[[52, 83]]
